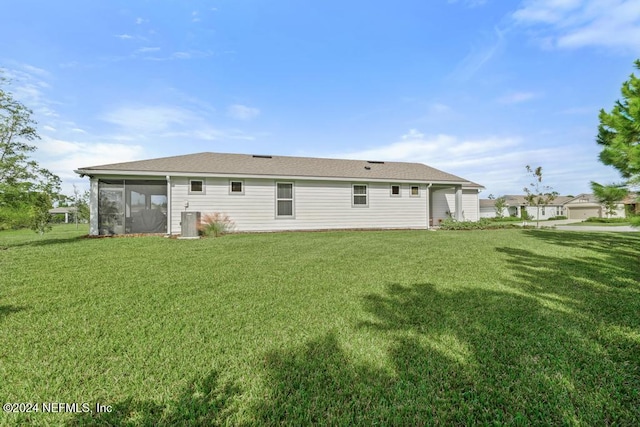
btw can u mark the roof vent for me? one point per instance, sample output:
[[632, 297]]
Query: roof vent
[[368, 168], [375, 162], [259, 156]]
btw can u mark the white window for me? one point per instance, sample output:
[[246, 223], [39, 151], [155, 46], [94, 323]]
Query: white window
[[196, 186], [236, 187], [415, 191], [360, 195], [284, 199], [395, 190]]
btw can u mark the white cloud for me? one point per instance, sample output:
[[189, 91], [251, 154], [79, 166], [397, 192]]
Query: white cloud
[[29, 88], [147, 119], [142, 123], [191, 54], [62, 157], [147, 49], [242, 112], [439, 149], [35, 70], [496, 162], [580, 23], [439, 108], [479, 55], [124, 36], [517, 97]]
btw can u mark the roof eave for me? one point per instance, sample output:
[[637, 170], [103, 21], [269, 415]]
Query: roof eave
[[109, 172]]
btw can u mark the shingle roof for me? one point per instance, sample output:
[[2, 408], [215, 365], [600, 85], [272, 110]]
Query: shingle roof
[[283, 166], [584, 198], [487, 203], [519, 200]]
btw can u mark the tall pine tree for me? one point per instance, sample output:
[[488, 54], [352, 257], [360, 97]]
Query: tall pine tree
[[619, 131]]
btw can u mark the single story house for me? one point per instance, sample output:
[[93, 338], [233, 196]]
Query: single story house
[[581, 207], [488, 208], [66, 210], [586, 206], [517, 204], [272, 193]]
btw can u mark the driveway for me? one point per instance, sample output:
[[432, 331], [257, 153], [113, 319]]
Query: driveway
[[562, 224], [549, 223], [619, 228]]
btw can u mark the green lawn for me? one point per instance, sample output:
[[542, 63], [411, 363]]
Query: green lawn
[[393, 328]]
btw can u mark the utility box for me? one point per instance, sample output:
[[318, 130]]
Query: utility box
[[190, 222]]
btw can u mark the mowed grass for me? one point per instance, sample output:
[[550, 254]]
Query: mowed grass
[[392, 328]]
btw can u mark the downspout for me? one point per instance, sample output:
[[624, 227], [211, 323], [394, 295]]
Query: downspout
[[458, 202], [429, 205], [169, 205]]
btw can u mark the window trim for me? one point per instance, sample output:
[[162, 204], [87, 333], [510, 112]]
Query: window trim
[[204, 186], [236, 193], [411, 191], [353, 195], [292, 199], [399, 190]]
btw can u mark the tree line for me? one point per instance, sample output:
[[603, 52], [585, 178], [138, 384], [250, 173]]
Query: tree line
[[27, 190]]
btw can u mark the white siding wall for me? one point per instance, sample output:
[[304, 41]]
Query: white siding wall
[[444, 201], [545, 212], [317, 205]]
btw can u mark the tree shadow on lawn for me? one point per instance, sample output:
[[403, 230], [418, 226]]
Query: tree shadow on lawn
[[469, 356], [207, 401], [6, 310], [604, 284], [620, 244], [555, 342], [42, 242]]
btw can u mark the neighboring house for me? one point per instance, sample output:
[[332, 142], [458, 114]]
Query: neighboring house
[[517, 204], [63, 211], [488, 209], [271, 193], [586, 206], [581, 207]]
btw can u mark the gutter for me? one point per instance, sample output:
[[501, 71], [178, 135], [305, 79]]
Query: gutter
[[81, 172]]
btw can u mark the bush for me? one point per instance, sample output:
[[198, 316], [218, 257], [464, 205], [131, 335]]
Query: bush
[[482, 224], [215, 224], [557, 217], [505, 219], [606, 220], [13, 218]]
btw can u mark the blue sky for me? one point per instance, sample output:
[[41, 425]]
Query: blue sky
[[478, 88]]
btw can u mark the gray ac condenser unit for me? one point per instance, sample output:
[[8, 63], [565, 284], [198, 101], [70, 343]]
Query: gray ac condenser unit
[[189, 225]]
